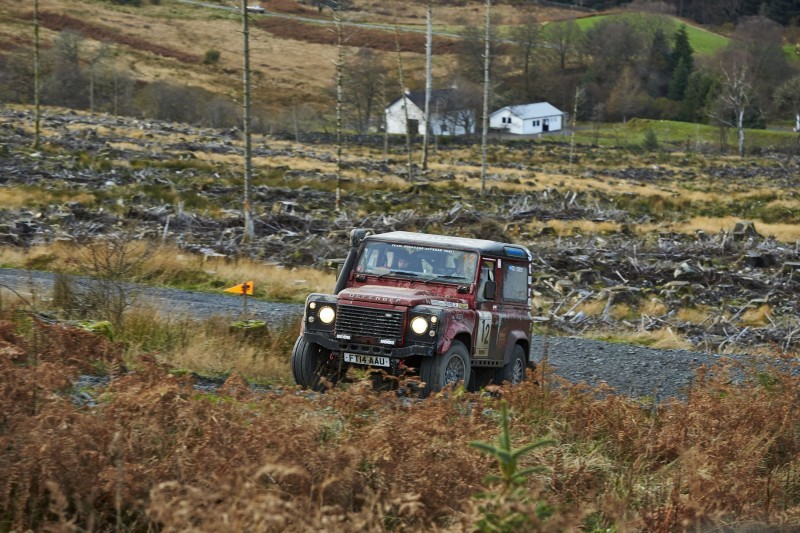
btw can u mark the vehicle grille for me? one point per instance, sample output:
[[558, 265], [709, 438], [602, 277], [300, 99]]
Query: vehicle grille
[[366, 322]]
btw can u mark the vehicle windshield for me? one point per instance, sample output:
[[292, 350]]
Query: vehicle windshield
[[428, 264]]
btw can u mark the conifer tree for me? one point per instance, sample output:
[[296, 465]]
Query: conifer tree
[[682, 64], [659, 66]]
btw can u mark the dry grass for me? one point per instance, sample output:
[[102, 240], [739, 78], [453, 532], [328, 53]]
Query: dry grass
[[592, 307], [273, 282], [662, 339], [758, 316], [781, 232], [211, 347], [16, 197], [693, 315], [152, 452], [171, 266], [653, 307], [566, 228]]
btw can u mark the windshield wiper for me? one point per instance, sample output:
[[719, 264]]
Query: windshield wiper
[[393, 273], [444, 276]]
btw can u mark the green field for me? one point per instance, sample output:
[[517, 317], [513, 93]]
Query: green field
[[678, 134], [703, 41]]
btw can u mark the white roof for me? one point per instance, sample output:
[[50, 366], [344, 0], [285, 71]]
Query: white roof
[[523, 111]]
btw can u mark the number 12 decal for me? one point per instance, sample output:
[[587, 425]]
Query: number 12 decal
[[483, 334]]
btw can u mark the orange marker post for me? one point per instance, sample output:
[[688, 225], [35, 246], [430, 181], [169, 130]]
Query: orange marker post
[[245, 289]]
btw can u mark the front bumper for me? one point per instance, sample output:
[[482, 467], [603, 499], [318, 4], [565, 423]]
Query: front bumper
[[393, 352]]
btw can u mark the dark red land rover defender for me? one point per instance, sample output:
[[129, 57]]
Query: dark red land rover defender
[[452, 309]]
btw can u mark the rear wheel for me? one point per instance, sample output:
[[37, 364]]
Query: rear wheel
[[449, 368], [514, 371], [312, 366]]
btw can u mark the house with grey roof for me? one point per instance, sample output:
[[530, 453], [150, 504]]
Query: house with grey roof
[[450, 111], [525, 119]]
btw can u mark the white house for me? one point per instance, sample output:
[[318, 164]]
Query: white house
[[527, 118], [449, 115]]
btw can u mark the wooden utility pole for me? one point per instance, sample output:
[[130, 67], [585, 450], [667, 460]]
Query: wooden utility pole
[[249, 232], [486, 89], [428, 86], [405, 98], [385, 123], [37, 84], [339, 103]]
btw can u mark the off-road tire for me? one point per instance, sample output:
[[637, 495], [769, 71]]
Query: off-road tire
[[514, 371], [449, 368], [311, 363]]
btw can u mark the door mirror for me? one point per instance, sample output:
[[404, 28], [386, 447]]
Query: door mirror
[[489, 289]]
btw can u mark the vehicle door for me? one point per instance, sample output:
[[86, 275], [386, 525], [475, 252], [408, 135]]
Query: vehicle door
[[486, 307], [512, 304]]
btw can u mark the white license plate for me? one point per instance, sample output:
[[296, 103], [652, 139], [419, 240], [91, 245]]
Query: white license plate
[[372, 360]]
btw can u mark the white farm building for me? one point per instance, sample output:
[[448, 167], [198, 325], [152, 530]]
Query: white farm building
[[449, 116], [527, 118]]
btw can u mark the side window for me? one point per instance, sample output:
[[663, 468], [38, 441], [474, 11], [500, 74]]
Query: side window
[[486, 275], [515, 282]]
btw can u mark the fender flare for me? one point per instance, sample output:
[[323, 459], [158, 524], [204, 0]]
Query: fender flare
[[457, 329], [516, 337]]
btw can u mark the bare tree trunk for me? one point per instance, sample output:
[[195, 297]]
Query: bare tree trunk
[[101, 54], [339, 99], [736, 95], [740, 130], [428, 86], [436, 136], [486, 90], [574, 121], [401, 78], [116, 89], [91, 89], [294, 121], [37, 83], [249, 232], [385, 122]]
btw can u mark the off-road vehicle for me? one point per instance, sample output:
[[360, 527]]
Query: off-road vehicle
[[448, 308]]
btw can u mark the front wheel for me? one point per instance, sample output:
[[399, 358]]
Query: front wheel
[[514, 371], [310, 364], [439, 371]]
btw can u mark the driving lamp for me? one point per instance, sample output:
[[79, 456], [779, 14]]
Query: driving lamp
[[419, 325], [326, 314]]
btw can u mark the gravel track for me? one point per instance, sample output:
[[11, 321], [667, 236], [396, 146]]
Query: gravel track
[[631, 370], [171, 302]]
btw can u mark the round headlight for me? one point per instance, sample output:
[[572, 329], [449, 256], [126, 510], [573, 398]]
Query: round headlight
[[419, 325], [326, 314]]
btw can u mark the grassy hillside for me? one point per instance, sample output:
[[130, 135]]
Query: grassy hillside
[[292, 59], [703, 41], [683, 134]]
